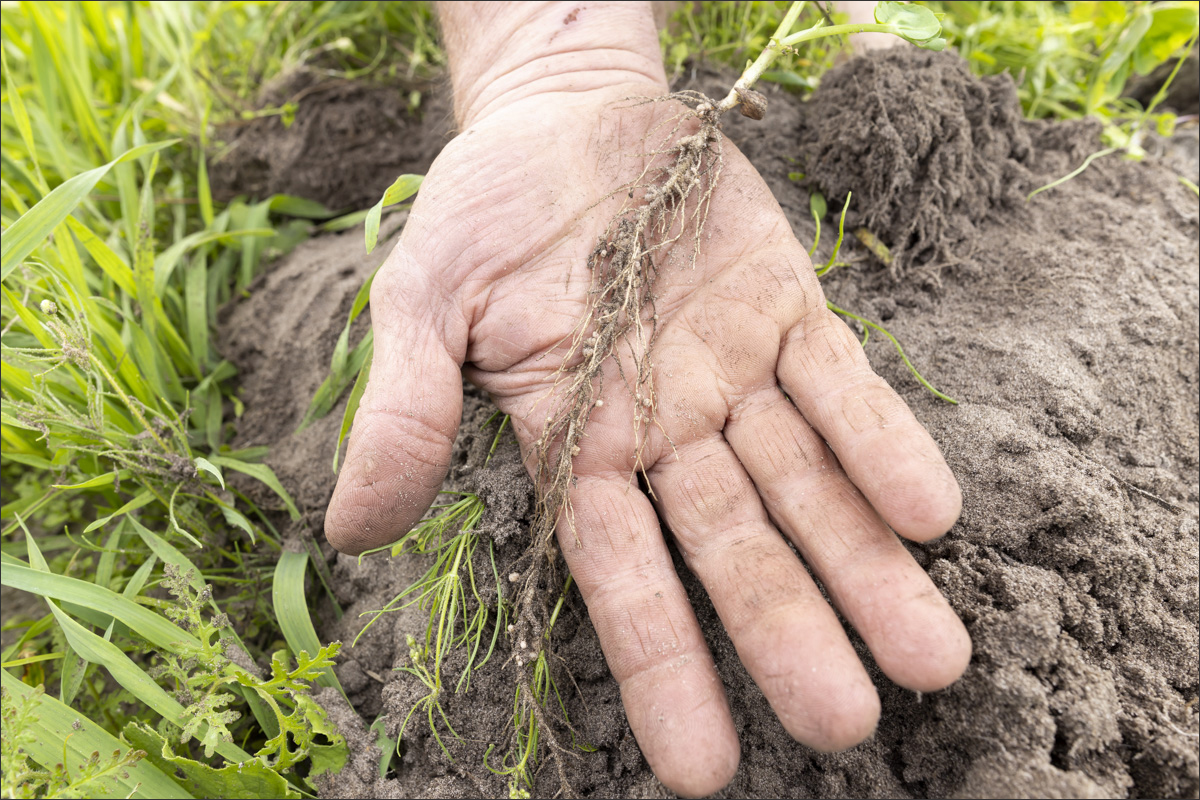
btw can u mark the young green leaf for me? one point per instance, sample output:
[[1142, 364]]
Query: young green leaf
[[32, 228], [209, 467], [912, 23], [404, 187], [291, 609]]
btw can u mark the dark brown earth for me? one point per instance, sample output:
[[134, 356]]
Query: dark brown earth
[[348, 142], [1066, 328]]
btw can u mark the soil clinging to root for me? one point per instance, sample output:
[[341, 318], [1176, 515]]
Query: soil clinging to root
[[1068, 331]]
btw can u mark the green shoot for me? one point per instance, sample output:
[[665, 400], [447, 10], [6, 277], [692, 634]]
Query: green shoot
[[1069, 60], [528, 722], [818, 209], [915, 24], [450, 590], [1128, 137], [1087, 162], [354, 364], [867, 324], [730, 33]]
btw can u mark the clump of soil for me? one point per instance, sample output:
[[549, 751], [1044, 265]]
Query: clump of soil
[[348, 142], [1069, 334], [928, 150]]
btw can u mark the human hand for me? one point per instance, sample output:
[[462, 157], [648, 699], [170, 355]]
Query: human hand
[[490, 277]]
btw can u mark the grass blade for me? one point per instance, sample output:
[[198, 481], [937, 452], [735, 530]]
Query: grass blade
[[57, 734], [291, 609], [155, 629], [404, 187], [36, 224], [262, 473]]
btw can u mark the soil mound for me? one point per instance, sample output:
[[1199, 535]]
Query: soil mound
[[927, 149], [346, 144], [1069, 336]]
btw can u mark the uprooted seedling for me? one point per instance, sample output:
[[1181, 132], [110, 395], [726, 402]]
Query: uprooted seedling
[[664, 206], [668, 202]]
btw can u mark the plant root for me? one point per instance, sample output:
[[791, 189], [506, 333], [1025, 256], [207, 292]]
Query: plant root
[[667, 202]]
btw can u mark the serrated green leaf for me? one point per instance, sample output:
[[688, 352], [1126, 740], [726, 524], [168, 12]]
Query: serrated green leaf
[[291, 610], [251, 779]]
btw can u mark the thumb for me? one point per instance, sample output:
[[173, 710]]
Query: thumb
[[405, 425]]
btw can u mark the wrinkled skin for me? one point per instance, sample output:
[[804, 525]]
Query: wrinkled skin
[[490, 277]]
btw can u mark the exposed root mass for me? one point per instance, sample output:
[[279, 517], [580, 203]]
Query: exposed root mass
[[668, 202]]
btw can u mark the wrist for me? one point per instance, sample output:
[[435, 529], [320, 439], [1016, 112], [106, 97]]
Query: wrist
[[500, 53]]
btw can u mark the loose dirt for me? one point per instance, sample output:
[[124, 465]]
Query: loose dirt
[[347, 143], [1067, 329]]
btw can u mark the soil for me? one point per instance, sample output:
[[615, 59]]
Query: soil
[[348, 141], [1067, 329]]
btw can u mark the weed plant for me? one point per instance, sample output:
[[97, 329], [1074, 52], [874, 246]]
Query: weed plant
[[1069, 59], [730, 33]]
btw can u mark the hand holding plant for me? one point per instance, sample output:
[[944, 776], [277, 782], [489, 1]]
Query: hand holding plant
[[724, 396]]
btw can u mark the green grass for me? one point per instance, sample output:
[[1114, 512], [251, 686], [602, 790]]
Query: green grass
[[1073, 60], [155, 573], [1069, 59], [730, 34]]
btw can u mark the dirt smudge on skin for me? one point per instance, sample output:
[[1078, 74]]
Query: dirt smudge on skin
[[1067, 329]]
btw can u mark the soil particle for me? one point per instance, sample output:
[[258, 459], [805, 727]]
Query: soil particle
[[928, 150], [1068, 332], [348, 142]]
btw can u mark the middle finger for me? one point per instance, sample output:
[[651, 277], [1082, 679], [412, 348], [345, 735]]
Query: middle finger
[[785, 633], [916, 638]]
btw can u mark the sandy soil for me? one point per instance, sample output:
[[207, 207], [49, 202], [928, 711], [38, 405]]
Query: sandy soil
[[1067, 329]]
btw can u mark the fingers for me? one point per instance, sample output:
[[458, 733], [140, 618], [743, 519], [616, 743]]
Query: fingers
[[916, 638], [405, 425], [887, 454], [673, 697], [785, 633]]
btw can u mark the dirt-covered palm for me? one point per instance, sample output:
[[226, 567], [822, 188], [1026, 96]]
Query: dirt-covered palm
[[490, 276]]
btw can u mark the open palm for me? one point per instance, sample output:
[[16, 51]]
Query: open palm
[[770, 427]]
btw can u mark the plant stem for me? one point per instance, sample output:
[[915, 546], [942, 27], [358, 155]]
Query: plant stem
[[816, 32], [765, 59], [128, 402]]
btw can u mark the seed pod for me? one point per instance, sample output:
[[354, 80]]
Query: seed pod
[[753, 104]]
